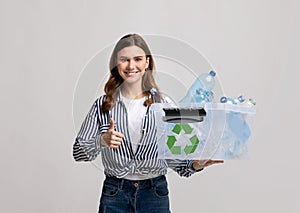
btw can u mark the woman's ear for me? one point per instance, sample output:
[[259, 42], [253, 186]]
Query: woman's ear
[[147, 62]]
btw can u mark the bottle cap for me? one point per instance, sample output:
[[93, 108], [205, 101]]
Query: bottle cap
[[241, 99], [213, 73], [153, 91], [223, 99], [252, 101]]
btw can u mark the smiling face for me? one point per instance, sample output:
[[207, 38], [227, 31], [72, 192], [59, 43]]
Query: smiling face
[[132, 63]]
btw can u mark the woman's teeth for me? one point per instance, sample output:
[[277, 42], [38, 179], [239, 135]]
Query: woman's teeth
[[132, 72]]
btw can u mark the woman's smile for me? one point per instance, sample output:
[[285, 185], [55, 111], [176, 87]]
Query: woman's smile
[[131, 73]]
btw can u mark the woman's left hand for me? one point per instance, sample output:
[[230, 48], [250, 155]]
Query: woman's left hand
[[201, 164]]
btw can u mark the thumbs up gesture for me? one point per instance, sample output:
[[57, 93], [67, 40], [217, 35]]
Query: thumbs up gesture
[[112, 138]]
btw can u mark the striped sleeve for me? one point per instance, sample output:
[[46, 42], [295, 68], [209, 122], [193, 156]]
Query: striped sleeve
[[87, 144]]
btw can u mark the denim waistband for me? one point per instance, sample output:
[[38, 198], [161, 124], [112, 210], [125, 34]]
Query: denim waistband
[[147, 183]]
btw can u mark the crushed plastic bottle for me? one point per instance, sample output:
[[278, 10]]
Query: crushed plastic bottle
[[201, 89], [237, 131]]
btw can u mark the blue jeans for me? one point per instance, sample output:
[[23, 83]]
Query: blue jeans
[[129, 196]]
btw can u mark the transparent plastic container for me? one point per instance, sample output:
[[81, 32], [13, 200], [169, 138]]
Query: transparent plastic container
[[223, 133]]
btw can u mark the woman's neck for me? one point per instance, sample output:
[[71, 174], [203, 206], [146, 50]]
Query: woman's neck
[[132, 92]]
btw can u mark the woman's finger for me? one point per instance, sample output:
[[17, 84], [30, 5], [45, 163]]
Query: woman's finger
[[118, 134], [114, 146], [116, 138], [114, 142], [218, 161]]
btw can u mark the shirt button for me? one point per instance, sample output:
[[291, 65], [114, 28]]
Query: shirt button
[[136, 185]]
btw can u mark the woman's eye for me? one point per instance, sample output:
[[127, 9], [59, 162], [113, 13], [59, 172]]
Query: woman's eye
[[123, 60], [138, 59]]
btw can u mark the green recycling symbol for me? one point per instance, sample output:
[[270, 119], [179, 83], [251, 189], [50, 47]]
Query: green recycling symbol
[[188, 149]]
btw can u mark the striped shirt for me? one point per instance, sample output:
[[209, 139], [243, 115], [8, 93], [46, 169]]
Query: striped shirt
[[122, 161]]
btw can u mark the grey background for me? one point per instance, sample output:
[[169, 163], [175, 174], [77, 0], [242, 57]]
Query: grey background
[[46, 44]]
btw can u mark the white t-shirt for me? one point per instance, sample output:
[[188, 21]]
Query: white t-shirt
[[135, 112]]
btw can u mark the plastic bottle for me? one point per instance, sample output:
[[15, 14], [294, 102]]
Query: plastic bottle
[[153, 92], [201, 89]]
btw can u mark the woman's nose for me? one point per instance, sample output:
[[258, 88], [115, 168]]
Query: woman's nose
[[131, 64]]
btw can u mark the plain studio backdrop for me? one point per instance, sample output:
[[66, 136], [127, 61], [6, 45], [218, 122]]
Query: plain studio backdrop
[[253, 45]]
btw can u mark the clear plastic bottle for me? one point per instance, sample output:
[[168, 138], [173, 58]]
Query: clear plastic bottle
[[201, 89], [207, 80]]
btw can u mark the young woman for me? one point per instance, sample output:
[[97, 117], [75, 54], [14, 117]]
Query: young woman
[[121, 125]]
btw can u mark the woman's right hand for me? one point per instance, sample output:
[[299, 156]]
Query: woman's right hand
[[111, 138]]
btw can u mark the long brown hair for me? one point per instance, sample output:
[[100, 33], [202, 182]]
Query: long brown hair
[[115, 80]]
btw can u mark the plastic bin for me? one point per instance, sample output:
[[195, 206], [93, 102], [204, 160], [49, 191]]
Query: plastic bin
[[224, 133]]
